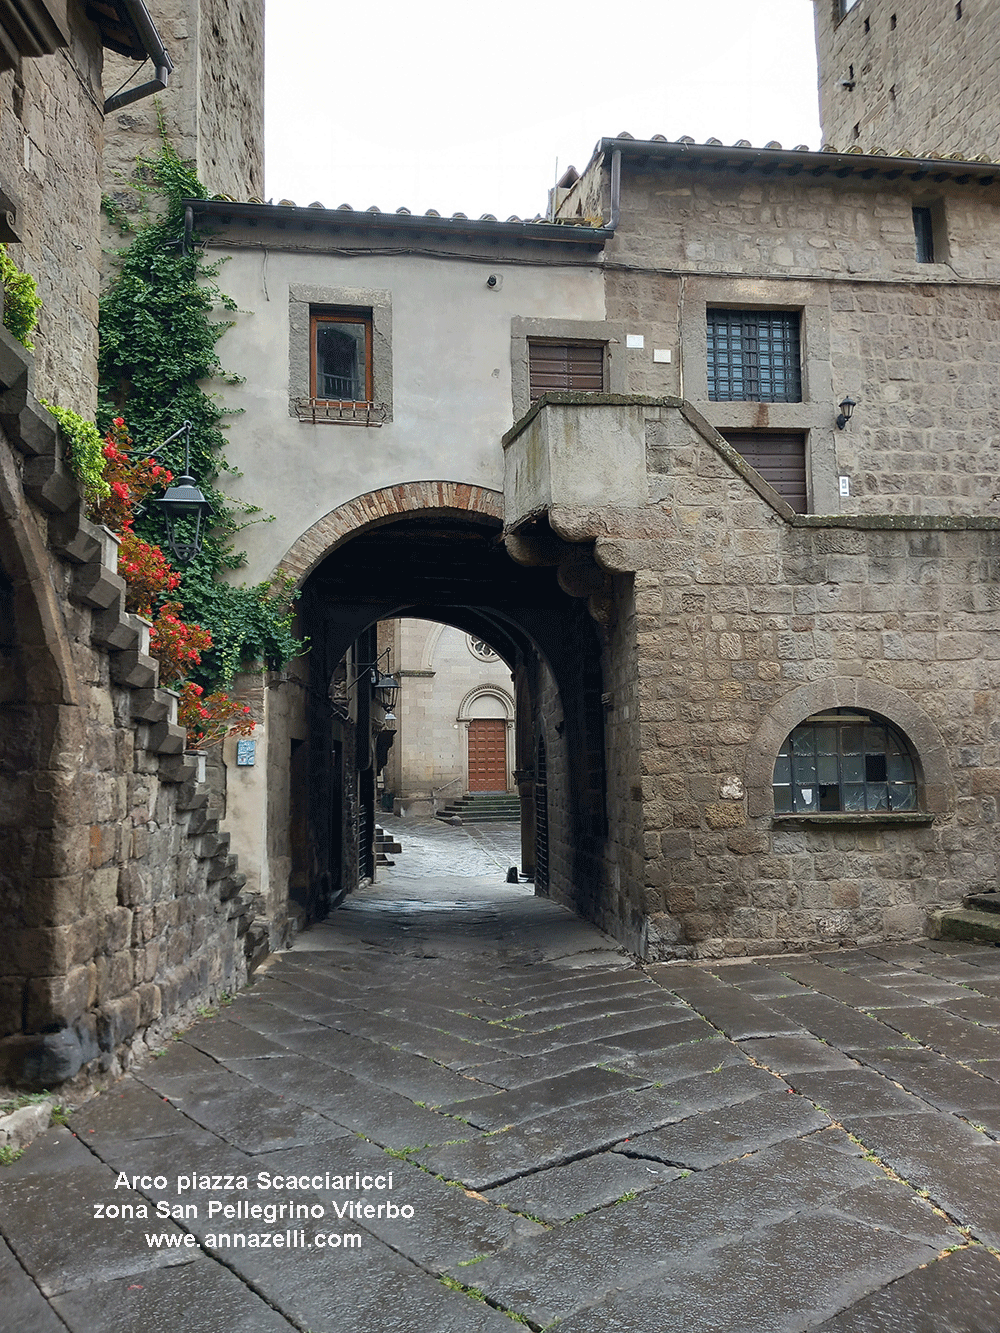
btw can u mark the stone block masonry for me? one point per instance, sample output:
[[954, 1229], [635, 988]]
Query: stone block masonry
[[744, 620], [123, 908], [913, 74]]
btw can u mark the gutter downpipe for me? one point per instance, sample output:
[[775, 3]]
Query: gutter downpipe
[[616, 190], [155, 51]]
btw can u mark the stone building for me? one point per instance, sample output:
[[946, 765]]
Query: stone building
[[213, 113], [122, 907], [754, 642], [454, 728], [915, 75]]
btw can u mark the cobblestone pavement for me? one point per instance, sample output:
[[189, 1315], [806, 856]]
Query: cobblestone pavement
[[772, 1146]]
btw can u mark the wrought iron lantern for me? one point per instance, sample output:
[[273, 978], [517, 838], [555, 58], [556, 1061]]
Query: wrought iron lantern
[[183, 505], [847, 406]]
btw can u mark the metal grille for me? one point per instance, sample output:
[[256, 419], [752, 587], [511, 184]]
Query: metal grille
[[858, 764], [753, 356], [541, 819]]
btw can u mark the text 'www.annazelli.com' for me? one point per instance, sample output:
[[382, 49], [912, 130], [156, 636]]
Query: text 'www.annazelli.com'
[[255, 1240]]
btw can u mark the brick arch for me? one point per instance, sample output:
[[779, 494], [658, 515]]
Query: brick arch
[[376, 507], [872, 696]]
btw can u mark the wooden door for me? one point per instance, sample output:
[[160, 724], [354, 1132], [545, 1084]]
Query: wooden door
[[487, 754]]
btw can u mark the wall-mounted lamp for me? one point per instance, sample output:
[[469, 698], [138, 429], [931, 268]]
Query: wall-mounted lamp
[[183, 502], [847, 406], [387, 689]]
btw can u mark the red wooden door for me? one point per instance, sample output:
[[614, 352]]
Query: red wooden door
[[487, 754]]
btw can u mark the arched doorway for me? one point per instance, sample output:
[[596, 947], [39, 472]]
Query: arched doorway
[[439, 564]]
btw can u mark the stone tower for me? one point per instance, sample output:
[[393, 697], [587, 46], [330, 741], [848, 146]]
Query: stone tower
[[920, 75], [213, 107]]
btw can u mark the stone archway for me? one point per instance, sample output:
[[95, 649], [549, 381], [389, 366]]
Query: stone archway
[[377, 507], [431, 550]]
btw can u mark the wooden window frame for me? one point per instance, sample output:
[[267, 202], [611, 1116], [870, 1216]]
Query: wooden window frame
[[320, 317]]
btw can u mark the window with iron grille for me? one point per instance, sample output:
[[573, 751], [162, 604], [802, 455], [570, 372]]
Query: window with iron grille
[[753, 356], [844, 761]]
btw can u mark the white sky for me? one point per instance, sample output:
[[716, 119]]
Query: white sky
[[466, 107]]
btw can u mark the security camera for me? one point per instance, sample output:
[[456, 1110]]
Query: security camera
[[494, 282]]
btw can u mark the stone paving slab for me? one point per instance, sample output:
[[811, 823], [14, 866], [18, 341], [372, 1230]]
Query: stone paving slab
[[732, 1287], [198, 1296], [840, 1024], [562, 1193], [792, 1055], [944, 1032], [958, 1293], [594, 1126], [711, 1137], [451, 1226], [22, 1302], [56, 1179], [619, 1247], [735, 1013], [495, 1110], [772, 1219], [957, 1164]]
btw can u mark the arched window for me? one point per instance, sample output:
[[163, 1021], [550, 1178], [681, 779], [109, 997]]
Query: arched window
[[843, 760]]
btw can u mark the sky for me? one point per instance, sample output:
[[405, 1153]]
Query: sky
[[476, 109]]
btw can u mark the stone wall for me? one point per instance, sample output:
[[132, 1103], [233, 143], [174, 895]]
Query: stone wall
[[915, 344], [441, 679], [212, 108], [750, 619], [926, 76], [51, 134], [123, 907]]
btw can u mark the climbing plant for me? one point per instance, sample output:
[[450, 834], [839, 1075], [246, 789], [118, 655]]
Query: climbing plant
[[159, 327], [21, 302], [86, 452]]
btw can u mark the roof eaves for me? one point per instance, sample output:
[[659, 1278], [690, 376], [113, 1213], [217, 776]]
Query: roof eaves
[[772, 158], [316, 217]]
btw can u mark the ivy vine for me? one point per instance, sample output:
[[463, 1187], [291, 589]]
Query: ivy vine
[[159, 327], [21, 302], [86, 450]]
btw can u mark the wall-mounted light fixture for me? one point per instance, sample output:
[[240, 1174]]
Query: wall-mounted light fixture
[[183, 504], [847, 406]]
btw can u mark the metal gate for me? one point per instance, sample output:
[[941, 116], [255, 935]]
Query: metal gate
[[541, 819]]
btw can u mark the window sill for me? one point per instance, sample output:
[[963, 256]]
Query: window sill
[[320, 411], [852, 819]]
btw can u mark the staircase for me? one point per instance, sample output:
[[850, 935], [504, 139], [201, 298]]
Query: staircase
[[485, 807], [978, 919], [384, 844]]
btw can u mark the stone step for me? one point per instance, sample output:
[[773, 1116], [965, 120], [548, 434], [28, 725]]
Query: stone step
[[983, 902], [967, 923]]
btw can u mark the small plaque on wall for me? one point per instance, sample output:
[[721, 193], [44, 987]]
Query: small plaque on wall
[[246, 754]]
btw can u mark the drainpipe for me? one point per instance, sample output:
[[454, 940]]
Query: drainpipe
[[616, 190], [155, 51]]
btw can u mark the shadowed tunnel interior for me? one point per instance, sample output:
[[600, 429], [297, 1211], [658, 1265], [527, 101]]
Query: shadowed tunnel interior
[[455, 570]]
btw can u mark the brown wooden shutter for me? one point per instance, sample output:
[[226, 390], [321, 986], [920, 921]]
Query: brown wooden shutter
[[780, 460], [578, 366]]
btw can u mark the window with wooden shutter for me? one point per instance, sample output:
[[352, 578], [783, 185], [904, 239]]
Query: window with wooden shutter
[[562, 365], [780, 460]]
